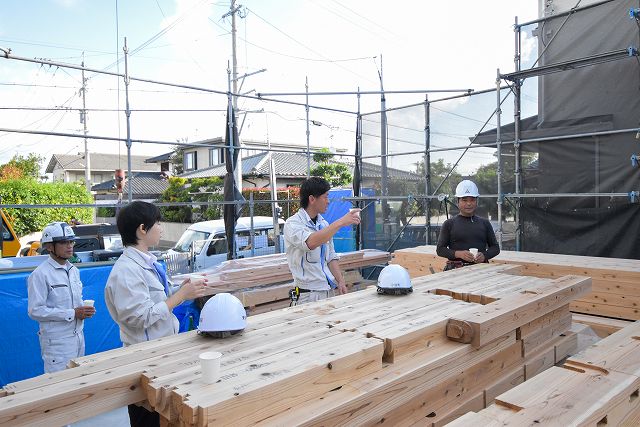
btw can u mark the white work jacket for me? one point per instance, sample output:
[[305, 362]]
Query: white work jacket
[[309, 267], [54, 291], [136, 300]]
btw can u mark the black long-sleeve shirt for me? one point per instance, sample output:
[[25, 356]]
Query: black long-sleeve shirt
[[461, 233]]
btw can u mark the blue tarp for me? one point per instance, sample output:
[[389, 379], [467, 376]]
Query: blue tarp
[[20, 349], [19, 346], [344, 240]]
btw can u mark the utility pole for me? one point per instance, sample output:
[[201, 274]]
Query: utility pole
[[83, 120], [233, 9]]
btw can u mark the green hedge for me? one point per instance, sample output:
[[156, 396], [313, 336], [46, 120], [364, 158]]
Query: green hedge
[[31, 192]]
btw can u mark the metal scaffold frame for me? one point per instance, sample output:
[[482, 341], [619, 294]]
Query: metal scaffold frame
[[514, 82]]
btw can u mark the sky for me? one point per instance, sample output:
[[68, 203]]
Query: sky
[[334, 45]]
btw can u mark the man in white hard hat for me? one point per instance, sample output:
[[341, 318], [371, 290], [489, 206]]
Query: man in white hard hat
[[467, 231], [55, 300], [309, 244]]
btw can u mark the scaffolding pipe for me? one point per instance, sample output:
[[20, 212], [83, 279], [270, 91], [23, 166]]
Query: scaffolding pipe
[[306, 109], [427, 167], [542, 139], [366, 92], [568, 12], [128, 114], [517, 87], [498, 112]]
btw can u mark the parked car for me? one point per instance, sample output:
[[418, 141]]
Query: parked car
[[207, 243]]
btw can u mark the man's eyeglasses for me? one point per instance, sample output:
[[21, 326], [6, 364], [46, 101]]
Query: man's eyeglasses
[[67, 242]]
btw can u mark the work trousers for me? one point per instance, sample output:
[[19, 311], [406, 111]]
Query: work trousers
[[57, 352], [314, 296]]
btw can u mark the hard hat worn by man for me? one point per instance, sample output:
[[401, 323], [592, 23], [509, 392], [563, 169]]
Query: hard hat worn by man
[[55, 300], [308, 239], [467, 231]]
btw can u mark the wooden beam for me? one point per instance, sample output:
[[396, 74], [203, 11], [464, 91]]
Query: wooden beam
[[493, 320]]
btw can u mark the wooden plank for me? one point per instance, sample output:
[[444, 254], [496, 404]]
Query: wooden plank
[[567, 346], [500, 317], [603, 326], [566, 397], [475, 403], [628, 313], [298, 378], [619, 352], [504, 383], [543, 321], [542, 337], [367, 400], [473, 419], [539, 362], [436, 402]]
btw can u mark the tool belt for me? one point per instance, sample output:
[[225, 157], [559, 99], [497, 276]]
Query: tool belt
[[294, 294], [451, 265]]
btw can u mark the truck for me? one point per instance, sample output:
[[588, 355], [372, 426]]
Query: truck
[[10, 244]]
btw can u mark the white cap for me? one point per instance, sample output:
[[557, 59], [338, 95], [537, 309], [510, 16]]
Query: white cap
[[467, 188]]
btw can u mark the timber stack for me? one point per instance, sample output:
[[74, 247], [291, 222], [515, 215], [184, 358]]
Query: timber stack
[[262, 283], [356, 359], [616, 282], [599, 386]]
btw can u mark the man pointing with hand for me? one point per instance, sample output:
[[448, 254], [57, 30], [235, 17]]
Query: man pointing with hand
[[309, 244]]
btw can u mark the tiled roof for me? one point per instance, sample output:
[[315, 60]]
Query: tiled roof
[[100, 162], [161, 158], [141, 182], [291, 165]]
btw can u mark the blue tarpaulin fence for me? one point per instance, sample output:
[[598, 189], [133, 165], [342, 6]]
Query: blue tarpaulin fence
[[19, 345]]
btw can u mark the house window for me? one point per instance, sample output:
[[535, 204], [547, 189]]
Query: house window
[[190, 160], [216, 156]]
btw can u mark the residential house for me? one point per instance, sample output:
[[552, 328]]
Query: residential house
[[71, 167], [210, 153]]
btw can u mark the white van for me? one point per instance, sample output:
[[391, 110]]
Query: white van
[[209, 244]]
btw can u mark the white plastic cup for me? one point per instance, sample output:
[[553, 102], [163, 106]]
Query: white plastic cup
[[197, 278], [473, 251], [210, 365], [355, 210], [88, 303]]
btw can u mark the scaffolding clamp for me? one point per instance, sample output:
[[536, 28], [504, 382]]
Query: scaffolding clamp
[[632, 51], [634, 13], [634, 196], [635, 160]]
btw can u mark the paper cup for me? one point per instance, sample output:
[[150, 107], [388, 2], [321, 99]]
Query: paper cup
[[197, 278], [210, 366], [357, 211], [473, 251], [88, 302]]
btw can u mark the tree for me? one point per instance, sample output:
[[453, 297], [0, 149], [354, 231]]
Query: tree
[[177, 158], [21, 167], [336, 173], [185, 190], [31, 192]]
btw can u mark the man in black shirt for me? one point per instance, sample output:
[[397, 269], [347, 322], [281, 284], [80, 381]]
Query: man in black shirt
[[466, 231]]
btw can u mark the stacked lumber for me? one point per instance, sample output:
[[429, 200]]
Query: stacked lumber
[[356, 359], [260, 299], [598, 386], [616, 282], [245, 273]]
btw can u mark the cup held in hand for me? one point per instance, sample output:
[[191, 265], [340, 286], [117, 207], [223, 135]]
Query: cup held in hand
[[474, 252], [88, 303]]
